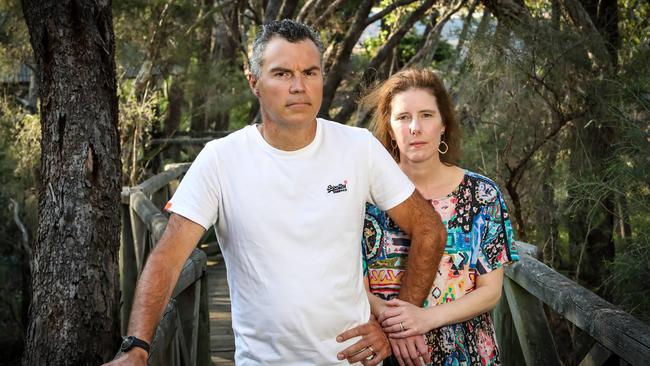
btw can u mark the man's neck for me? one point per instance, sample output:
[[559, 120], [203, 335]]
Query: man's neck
[[288, 138]]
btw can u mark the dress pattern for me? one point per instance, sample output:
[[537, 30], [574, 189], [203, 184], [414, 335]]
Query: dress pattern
[[479, 240]]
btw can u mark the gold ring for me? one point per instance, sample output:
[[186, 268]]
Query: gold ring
[[372, 356], [401, 325]]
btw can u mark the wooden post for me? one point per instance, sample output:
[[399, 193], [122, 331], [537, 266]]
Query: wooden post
[[615, 329], [128, 268], [188, 306], [139, 231], [203, 343], [509, 348], [597, 356], [159, 197], [529, 319], [162, 341]]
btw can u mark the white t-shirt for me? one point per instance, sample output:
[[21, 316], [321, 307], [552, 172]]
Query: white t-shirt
[[289, 224]]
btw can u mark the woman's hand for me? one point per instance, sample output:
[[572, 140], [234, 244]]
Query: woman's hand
[[402, 319]]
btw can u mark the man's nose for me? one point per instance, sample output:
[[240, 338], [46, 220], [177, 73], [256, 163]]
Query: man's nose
[[297, 84]]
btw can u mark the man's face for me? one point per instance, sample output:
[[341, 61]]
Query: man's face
[[290, 86]]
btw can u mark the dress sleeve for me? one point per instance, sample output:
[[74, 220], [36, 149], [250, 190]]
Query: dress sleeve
[[371, 237], [497, 246]]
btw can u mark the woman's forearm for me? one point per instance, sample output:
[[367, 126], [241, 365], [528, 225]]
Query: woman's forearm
[[483, 299]]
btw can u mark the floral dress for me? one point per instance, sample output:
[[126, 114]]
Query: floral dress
[[479, 240]]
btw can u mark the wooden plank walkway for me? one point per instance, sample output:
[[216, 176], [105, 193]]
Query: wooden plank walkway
[[222, 343]]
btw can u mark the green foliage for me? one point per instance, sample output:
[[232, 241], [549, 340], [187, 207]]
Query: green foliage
[[19, 162], [225, 90], [136, 122], [14, 38], [542, 118]]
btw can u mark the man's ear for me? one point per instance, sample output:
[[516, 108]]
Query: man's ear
[[252, 83]]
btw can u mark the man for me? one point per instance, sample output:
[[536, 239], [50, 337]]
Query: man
[[287, 199]]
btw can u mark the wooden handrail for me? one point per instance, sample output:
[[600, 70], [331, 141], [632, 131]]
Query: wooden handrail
[[184, 140], [616, 330], [183, 328], [158, 181], [527, 285]]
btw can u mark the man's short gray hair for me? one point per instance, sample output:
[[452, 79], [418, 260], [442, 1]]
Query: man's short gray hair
[[288, 29]]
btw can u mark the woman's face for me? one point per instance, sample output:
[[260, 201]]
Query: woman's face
[[416, 125]]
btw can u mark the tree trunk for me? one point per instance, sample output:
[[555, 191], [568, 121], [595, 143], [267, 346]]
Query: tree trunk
[[288, 8], [146, 73], [547, 211], [200, 118], [350, 104], [520, 224], [424, 57], [74, 310], [272, 10], [604, 16], [172, 120], [339, 67], [467, 24]]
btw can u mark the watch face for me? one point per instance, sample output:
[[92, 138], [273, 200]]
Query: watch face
[[127, 343]]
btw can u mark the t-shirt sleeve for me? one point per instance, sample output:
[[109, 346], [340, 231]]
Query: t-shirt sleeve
[[497, 245], [197, 196], [389, 186]]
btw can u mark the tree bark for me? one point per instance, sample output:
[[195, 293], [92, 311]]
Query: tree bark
[[74, 310]]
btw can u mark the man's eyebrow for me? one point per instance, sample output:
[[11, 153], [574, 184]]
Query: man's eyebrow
[[312, 68], [278, 68]]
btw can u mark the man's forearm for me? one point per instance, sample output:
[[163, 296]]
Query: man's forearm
[[152, 295], [160, 275], [427, 246]]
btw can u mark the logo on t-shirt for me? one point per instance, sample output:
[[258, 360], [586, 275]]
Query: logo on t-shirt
[[341, 187]]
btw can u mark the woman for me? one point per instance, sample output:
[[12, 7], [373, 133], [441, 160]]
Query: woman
[[415, 121]]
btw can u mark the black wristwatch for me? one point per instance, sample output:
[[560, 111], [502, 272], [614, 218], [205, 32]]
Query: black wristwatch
[[129, 342]]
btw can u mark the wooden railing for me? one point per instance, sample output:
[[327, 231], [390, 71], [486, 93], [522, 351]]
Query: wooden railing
[[182, 337], [522, 327]]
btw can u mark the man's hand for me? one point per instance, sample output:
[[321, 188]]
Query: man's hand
[[410, 351], [371, 349], [136, 356]]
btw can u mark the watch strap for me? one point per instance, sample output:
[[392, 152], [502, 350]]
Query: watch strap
[[131, 341]]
